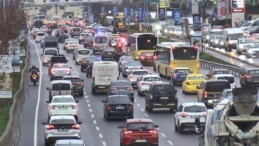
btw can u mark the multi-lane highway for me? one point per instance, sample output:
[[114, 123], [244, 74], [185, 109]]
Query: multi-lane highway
[[94, 129]]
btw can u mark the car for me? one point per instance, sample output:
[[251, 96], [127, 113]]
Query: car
[[108, 54], [60, 87], [129, 66], [118, 106], [60, 32], [243, 44], [179, 74], [72, 45], [59, 70], [60, 127], [69, 142], [88, 42], [191, 82], [56, 59], [89, 69], [121, 87], [249, 77], [253, 51], [255, 37], [209, 91], [123, 60], [226, 94], [219, 41], [63, 105], [229, 77], [44, 28], [68, 41], [147, 58], [78, 84], [62, 38], [47, 54], [83, 36], [75, 31], [85, 61], [80, 53], [135, 76], [39, 36], [186, 114], [145, 81], [161, 95], [34, 32], [139, 132], [216, 71]]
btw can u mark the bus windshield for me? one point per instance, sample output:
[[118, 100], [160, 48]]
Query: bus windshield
[[185, 53], [147, 42]]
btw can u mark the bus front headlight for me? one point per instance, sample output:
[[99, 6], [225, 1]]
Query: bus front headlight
[[165, 31]]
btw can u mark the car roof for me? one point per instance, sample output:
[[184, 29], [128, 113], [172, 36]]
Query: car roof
[[162, 83], [193, 103], [136, 70], [60, 81], [119, 96], [40, 32], [70, 141], [120, 81], [209, 81], [63, 96], [108, 49], [71, 77], [50, 49], [195, 75], [138, 120], [223, 75], [83, 49]]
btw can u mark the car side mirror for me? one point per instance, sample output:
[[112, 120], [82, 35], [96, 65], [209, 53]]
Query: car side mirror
[[77, 101], [156, 126], [79, 122], [44, 123], [47, 101], [120, 127], [198, 87], [47, 88], [103, 101]]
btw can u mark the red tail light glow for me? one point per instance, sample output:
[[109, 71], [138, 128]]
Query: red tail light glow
[[127, 132], [49, 127], [130, 107], [205, 94], [153, 131], [174, 75], [108, 107], [130, 88], [113, 88], [142, 57], [155, 57], [73, 106], [75, 126], [184, 115], [247, 76], [52, 71]]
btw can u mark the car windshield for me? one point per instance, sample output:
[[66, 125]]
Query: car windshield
[[229, 79], [101, 40], [60, 66], [121, 84], [40, 34], [128, 58], [196, 78], [140, 126], [254, 46], [62, 121], [151, 79], [169, 89], [140, 72], [217, 86], [61, 86], [76, 29], [195, 109], [253, 72], [73, 43], [83, 52], [246, 41], [182, 71], [134, 63], [51, 52], [221, 72], [119, 100], [62, 100]]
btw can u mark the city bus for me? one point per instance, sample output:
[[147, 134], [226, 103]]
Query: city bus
[[173, 56], [142, 42]]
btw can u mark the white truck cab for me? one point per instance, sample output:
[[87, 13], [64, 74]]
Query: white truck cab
[[231, 35]]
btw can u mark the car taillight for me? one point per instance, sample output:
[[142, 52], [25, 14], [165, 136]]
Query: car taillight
[[154, 57], [53, 107], [151, 97], [130, 107], [205, 94], [130, 88], [184, 115], [174, 75], [131, 76], [143, 83], [127, 132], [142, 57], [68, 70], [247, 76], [73, 106], [142, 67], [49, 127], [188, 83], [153, 131], [75, 126], [204, 114], [108, 107]]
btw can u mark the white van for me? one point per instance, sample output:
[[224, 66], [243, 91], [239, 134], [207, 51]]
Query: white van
[[229, 77], [60, 87], [231, 35], [100, 41], [40, 36], [47, 54], [104, 72]]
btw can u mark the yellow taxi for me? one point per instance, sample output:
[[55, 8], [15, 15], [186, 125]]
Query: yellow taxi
[[191, 82]]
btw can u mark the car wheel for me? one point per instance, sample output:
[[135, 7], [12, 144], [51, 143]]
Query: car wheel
[[180, 128], [46, 143], [175, 126], [93, 91], [150, 109]]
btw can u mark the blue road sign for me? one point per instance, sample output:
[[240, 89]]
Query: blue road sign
[[89, 12], [103, 9], [125, 12], [115, 11], [140, 14], [162, 14], [176, 13], [131, 13]]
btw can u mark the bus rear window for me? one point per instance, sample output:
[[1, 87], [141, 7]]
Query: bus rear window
[[147, 43], [185, 53]]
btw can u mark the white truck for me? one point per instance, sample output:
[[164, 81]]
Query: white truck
[[104, 72]]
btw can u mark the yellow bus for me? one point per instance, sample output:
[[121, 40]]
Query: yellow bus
[[142, 42], [169, 57]]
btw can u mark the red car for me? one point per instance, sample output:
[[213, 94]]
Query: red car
[[138, 132]]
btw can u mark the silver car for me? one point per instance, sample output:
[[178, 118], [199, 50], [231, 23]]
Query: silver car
[[59, 70], [129, 66]]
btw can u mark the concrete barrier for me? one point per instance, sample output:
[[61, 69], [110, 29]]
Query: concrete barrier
[[11, 133]]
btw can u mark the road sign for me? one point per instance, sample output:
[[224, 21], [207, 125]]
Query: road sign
[[140, 14], [162, 14], [115, 11], [125, 12], [5, 64], [196, 22], [176, 13], [131, 13]]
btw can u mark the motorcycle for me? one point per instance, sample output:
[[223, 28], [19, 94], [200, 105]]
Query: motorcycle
[[34, 77], [89, 72]]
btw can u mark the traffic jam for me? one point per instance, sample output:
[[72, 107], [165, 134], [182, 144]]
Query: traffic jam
[[117, 65]]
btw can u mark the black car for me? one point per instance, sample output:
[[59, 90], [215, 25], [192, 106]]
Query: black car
[[85, 62], [118, 106], [161, 95], [89, 69], [62, 38], [57, 59], [121, 87], [78, 84], [250, 77], [108, 54], [60, 32], [147, 58]]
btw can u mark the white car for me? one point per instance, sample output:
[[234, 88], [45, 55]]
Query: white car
[[56, 129], [47, 54], [79, 54], [187, 113], [135, 76], [63, 105], [123, 60], [243, 44], [40, 36], [67, 41], [229, 77], [145, 82], [59, 70], [72, 45], [129, 66], [253, 50]]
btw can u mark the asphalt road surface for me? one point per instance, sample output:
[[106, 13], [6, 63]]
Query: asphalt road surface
[[95, 131]]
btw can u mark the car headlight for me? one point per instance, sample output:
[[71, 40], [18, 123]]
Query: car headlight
[[165, 31], [216, 41], [171, 32], [221, 43], [192, 32]]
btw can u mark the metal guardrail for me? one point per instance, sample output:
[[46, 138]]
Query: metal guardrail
[[236, 71]]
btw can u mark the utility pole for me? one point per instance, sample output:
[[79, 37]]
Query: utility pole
[[4, 10], [56, 8]]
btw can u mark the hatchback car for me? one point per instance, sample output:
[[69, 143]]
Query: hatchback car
[[145, 81], [147, 58], [40, 36], [139, 132], [69, 41], [187, 113], [250, 77], [83, 36], [61, 127], [59, 70], [78, 84], [129, 66], [191, 82], [72, 45], [135, 76], [108, 54], [118, 106], [62, 38], [179, 74], [121, 87], [79, 54]]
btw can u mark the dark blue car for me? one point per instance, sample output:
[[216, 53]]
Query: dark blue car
[[178, 75]]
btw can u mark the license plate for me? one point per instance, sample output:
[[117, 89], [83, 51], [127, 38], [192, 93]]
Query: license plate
[[141, 140], [63, 107], [213, 101], [119, 107], [101, 87], [163, 97], [182, 76], [122, 90], [62, 130]]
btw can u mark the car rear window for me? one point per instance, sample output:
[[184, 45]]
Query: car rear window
[[194, 109], [121, 84], [84, 52], [253, 72], [62, 121], [196, 78], [151, 79], [229, 79], [73, 80], [63, 100], [60, 66], [51, 52], [217, 86], [76, 29], [61, 86], [139, 72], [164, 88], [182, 71], [119, 100], [40, 34], [140, 126], [135, 63], [128, 58], [221, 72]]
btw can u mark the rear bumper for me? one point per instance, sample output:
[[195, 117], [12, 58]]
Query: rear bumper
[[100, 88], [54, 138], [119, 113], [165, 105]]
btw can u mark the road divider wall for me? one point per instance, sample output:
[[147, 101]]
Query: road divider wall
[[11, 133]]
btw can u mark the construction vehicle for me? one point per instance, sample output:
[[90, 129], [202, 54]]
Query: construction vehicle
[[119, 23], [234, 121]]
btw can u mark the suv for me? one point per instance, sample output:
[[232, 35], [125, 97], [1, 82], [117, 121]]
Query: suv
[[161, 95], [57, 59], [209, 91], [250, 77], [60, 127], [217, 71], [139, 132], [78, 84]]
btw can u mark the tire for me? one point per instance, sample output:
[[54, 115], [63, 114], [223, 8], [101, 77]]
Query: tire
[[76, 118], [93, 91], [34, 83], [150, 109], [46, 143], [180, 129], [175, 126]]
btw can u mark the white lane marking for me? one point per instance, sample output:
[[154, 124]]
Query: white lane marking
[[142, 109], [89, 105], [92, 115], [138, 105], [170, 142], [90, 110], [97, 128], [86, 96], [84, 92], [104, 143], [87, 100], [163, 134], [146, 115], [100, 135], [94, 121], [38, 98]]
